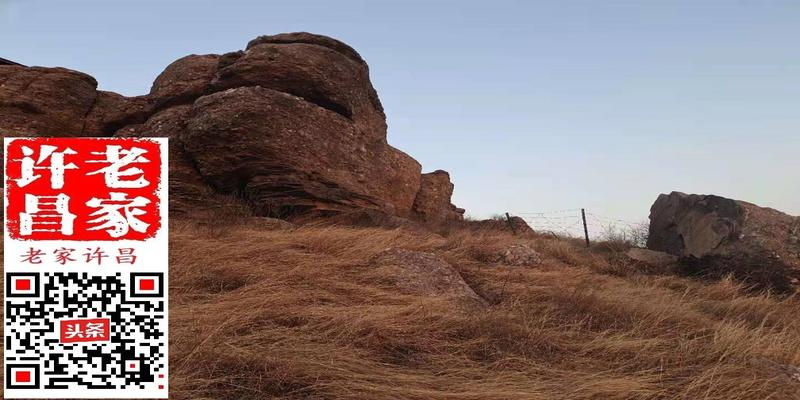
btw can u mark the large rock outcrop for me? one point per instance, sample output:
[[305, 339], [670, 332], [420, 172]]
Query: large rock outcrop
[[290, 125], [697, 226]]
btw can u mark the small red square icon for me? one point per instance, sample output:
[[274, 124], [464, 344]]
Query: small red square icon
[[23, 284], [160, 386], [133, 365], [147, 284], [22, 376], [160, 375]]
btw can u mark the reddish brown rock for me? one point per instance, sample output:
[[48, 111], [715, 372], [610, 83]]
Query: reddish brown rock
[[45, 101], [421, 273], [288, 155], [308, 38], [514, 225], [432, 202], [290, 125], [111, 111], [184, 80], [61, 102], [319, 69], [518, 226], [519, 255], [188, 193]]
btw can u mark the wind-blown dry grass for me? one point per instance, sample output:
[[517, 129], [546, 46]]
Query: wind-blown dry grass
[[299, 314]]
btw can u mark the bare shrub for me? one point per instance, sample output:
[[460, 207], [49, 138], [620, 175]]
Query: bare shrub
[[622, 237], [758, 272]]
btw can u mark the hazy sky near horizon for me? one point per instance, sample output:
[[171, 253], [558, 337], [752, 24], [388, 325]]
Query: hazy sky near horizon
[[530, 105]]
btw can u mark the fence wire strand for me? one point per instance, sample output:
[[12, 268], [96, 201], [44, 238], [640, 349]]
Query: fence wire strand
[[569, 223]]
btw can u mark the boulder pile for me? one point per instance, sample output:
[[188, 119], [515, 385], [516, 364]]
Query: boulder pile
[[290, 125]]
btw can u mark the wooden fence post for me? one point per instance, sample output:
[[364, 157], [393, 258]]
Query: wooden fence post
[[510, 224], [585, 228]]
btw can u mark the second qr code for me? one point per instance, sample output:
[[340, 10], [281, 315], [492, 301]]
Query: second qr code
[[81, 331]]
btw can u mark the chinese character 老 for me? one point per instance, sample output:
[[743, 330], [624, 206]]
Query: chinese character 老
[[119, 168]]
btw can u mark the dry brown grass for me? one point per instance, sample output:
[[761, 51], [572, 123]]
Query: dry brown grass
[[297, 313]]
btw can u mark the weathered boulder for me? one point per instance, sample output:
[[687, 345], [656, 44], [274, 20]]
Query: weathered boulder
[[519, 226], [321, 70], [189, 194], [722, 232], [184, 80], [288, 155], [519, 255], [698, 225], [512, 224], [432, 202], [421, 273], [309, 38], [45, 101], [112, 111]]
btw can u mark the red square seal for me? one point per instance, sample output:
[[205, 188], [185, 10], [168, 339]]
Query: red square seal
[[83, 189]]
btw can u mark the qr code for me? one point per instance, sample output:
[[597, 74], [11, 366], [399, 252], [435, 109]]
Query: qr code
[[86, 332]]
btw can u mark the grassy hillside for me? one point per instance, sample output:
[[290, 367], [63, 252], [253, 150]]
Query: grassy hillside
[[301, 313]]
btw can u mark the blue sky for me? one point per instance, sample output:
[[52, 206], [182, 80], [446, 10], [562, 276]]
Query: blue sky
[[531, 105]]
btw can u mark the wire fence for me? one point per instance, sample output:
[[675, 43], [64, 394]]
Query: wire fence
[[569, 223]]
